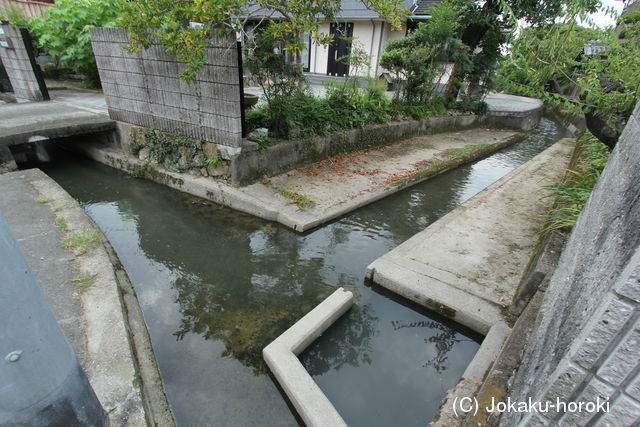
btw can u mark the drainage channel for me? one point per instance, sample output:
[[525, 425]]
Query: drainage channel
[[216, 286]]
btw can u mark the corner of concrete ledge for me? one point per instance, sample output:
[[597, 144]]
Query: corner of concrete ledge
[[281, 356]]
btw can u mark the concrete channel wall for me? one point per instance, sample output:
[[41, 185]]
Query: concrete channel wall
[[102, 321], [252, 164], [143, 88], [18, 59], [584, 345]]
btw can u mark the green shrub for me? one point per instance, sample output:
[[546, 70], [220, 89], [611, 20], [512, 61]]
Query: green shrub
[[64, 32], [342, 107], [471, 104], [418, 60], [279, 79], [574, 191], [257, 117], [262, 140]]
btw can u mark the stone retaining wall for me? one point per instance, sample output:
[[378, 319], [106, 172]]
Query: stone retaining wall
[[143, 88], [584, 344]]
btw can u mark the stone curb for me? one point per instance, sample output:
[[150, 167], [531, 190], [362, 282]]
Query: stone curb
[[108, 362]]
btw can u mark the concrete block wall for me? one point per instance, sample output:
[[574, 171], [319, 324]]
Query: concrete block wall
[[20, 67], [585, 343], [143, 88]]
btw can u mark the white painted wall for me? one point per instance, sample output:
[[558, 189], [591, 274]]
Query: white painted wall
[[362, 37], [388, 36], [373, 37], [367, 33], [319, 53]]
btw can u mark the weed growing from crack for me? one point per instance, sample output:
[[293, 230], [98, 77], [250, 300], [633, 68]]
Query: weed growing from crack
[[62, 223], [302, 201], [81, 242], [83, 282]]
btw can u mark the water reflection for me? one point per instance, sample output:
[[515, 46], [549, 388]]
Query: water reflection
[[216, 286], [352, 347]]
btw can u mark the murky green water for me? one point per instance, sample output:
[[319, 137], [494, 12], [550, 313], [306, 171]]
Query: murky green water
[[216, 286]]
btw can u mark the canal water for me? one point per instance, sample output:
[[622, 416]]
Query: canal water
[[216, 286]]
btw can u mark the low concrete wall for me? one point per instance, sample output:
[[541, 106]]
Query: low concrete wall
[[143, 88], [252, 164], [584, 344], [281, 356], [524, 120], [26, 79]]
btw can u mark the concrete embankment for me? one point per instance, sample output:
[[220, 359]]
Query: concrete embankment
[[468, 264], [311, 196], [88, 293]]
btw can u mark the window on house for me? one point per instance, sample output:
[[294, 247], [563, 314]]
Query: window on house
[[306, 53], [412, 25]]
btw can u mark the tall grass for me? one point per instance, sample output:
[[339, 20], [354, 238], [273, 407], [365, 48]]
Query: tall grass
[[574, 191]]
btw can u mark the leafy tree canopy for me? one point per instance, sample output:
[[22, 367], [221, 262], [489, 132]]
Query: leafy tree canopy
[[63, 31], [168, 20], [489, 23], [419, 59], [551, 62], [545, 55]]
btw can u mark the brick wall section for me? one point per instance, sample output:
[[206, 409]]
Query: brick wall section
[[18, 65], [586, 340], [143, 88]]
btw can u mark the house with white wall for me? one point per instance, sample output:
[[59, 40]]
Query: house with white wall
[[369, 31]]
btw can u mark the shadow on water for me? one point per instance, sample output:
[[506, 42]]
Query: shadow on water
[[216, 286]]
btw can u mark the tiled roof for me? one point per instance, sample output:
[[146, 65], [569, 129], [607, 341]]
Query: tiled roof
[[355, 9], [422, 7]]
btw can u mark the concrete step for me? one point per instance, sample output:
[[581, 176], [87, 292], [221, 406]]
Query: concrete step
[[319, 79], [316, 79]]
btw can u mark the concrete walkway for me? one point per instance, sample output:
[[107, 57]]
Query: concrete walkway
[[50, 119], [80, 285], [469, 263], [93, 99]]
